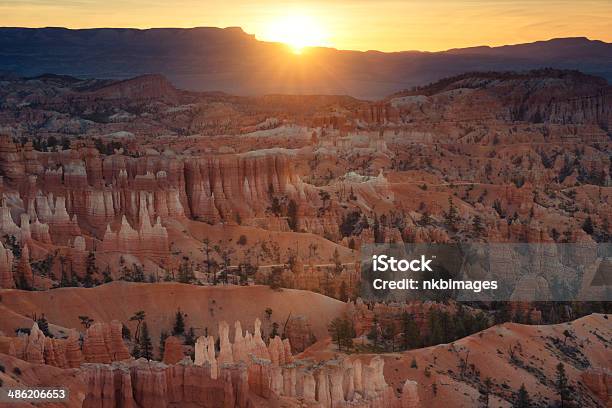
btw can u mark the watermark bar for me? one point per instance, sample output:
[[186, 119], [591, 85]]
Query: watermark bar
[[26, 395], [487, 272]]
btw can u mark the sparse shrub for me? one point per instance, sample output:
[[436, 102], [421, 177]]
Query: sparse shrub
[[452, 216], [162, 343], [486, 391], [186, 273], [351, 245], [126, 334], [413, 363], [587, 226], [349, 223], [86, 321], [274, 279], [292, 215], [425, 219], [522, 399], [43, 325], [190, 337]]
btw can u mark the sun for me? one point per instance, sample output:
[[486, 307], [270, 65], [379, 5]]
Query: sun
[[297, 31]]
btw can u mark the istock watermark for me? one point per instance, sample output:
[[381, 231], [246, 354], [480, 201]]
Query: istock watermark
[[384, 263], [487, 272]]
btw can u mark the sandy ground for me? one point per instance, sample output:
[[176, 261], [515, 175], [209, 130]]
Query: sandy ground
[[204, 306], [537, 349]]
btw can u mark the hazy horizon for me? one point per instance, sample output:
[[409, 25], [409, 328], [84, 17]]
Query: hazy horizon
[[386, 26], [309, 46]]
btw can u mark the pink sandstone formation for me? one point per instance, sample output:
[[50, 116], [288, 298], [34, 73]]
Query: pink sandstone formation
[[173, 350], [7, 279], [38, 349], [299, 333], [410, 395], [156, 385], [343, 179], [276, 373], [11, 164], [235, 383], [205, 354], [34, 347], [24, 273], [103, 343], [74, 355], [359, 381], [599, 381], [103, 177]]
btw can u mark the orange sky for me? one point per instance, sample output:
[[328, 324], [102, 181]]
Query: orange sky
[[386, 25]]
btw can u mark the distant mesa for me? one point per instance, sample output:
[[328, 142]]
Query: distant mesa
[[232, 61]]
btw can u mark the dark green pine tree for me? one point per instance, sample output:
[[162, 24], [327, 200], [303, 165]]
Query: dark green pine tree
[[522, 399], [342, 332], [486, 391], [137, 273], [373, 332], [190, 337], [43, 325], [138, 317], [179, 324], [274, 331], [477, 226], [126, 334], [425, 219], [136, 349], [107, 275], [185, 272], [90, 270], [562, 385], [411, 336], [452, 216], [587, 226], [145, 343], [343, 295], [292, 215], [436, 329], [162, 343]]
